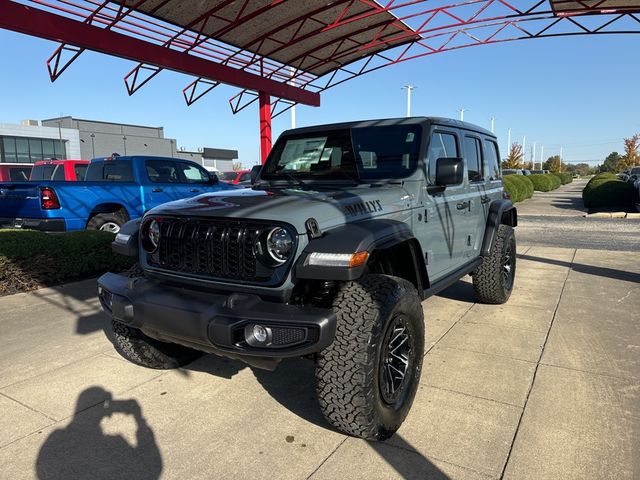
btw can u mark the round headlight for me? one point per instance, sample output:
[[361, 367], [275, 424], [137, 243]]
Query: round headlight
[[151, 236], [279, 244]]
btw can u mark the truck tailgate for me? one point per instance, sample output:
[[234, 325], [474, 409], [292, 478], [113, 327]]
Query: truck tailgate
[[19, 200]]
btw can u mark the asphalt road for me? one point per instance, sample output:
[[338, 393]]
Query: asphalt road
[[556, 219]]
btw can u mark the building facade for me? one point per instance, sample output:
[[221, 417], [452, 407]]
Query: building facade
[[74, 138]]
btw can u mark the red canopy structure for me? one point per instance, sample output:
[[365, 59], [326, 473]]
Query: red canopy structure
[[293, 50]]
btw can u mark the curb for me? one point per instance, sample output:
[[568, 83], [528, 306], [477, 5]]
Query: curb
[[628, 216]]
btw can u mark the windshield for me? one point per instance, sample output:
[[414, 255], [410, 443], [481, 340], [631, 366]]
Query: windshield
[[363, 154]]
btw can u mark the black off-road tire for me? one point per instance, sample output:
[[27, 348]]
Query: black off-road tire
[[350, 384], [143, 350], [492, 284], [99, 220], [148, 352]]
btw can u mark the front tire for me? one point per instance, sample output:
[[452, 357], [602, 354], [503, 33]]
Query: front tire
[[368, 377], [493, 280], [148, 352]]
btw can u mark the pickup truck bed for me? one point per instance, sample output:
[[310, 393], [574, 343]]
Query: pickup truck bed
[[116, 190]]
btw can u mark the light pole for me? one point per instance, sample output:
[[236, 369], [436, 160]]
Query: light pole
[[462, 110], [124, 140], [409, 88], [493, 123], [93, 144], [533, 157], [508, 141], [561, 150], [541, 155], [524, 146]]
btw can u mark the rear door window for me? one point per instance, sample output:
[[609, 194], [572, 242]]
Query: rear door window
[[492, 158], [110, 171], [473, 154], [442, 145], [80, 170], [163, 171]]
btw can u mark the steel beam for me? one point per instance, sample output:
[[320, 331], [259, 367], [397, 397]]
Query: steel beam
[[265, 125], [39, 23]]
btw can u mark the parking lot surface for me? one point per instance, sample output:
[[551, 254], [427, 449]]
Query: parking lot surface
[[546, 386]]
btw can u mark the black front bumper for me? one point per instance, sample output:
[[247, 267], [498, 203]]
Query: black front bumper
[[214, 322], [42, 224]]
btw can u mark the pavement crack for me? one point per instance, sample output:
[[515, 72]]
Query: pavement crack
[[328, 457], [535, 372]]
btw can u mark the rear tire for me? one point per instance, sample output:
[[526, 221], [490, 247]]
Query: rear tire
[[108, 222], [148, 352], [493, 280], [368, 377]]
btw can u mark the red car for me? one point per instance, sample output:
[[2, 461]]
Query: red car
[[15, 172], [236, 177], [69, 170]]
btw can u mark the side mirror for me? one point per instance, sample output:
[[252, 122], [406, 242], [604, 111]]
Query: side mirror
[[255, 171], [213, 178], [449, 171]]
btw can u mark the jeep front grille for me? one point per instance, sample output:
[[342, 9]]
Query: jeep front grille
[[221, 249]]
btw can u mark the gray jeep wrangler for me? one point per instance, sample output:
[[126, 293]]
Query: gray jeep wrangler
[[347, 228]]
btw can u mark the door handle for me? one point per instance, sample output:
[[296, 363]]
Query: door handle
[[157, 190], [462, 205], [485, 200], [194, 190]]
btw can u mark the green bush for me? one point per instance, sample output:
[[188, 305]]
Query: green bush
[[518, 187], [544, 182], [30, 259], [602, 176], [608, 192], [564, 177]]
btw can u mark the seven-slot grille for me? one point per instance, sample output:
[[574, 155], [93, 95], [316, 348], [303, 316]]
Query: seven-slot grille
[[214, 248]]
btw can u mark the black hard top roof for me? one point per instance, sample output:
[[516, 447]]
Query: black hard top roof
[[424, 121]]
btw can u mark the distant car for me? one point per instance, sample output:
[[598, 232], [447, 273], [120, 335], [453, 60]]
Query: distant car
[[15, 172], [240, 177], [526, 172], [513, 171], [59, 170], [538, 172]]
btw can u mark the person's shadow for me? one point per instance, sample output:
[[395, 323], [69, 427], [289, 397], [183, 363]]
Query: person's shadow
[[83, 450]]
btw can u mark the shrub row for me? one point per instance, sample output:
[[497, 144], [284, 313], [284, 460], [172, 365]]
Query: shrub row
[[564, 177], [518, 187], [607, 190], [30, 260], [544, 182]]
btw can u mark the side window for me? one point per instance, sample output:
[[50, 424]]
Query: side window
[[492, 159], [117, 172], [162, 171], [81, 170], [58, 173], [194, 174], [245, 177], [442, 145], [473, 154]]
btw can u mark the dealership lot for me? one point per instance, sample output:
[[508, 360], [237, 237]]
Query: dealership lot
[[546, 386]]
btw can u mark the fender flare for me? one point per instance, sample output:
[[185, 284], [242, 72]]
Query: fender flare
[[501, 212], [126, 242], [367, 235]]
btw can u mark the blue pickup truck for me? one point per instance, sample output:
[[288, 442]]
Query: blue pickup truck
[[116, 189]]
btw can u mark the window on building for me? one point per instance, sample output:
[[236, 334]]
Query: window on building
[[31, 150]]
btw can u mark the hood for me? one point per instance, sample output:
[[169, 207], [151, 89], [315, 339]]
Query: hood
[[294, 206]]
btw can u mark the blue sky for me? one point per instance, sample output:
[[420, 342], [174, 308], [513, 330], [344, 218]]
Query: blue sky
[[578, 92]]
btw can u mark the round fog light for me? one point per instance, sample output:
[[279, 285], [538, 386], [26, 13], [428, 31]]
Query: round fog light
[[260, 333]]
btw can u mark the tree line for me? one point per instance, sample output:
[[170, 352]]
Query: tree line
[[614, 162]]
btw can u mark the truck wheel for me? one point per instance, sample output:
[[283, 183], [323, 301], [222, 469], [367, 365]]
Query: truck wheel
[[148, 352], [107, 222], [368, 377], [493, 279]]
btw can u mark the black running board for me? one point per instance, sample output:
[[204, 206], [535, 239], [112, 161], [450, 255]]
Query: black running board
[[452, 278]]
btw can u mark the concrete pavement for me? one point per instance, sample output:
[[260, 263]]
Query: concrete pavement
[[546, 386]]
